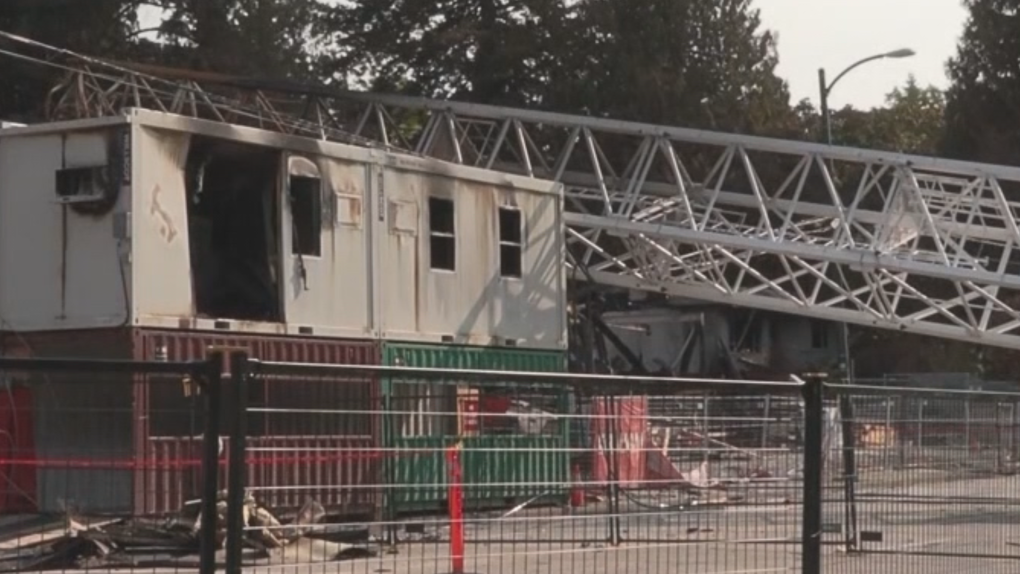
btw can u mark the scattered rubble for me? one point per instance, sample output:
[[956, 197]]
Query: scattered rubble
[[69, 542]]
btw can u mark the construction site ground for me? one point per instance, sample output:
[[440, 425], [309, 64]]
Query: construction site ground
[[934, 512]]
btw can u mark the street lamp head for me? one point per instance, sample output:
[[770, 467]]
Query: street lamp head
[[901, 53]]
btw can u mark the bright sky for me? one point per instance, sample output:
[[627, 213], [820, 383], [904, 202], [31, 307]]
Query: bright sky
[[836, 33]]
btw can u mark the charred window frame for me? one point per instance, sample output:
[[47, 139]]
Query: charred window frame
[[442, 234], [306, 215], [511, 243]]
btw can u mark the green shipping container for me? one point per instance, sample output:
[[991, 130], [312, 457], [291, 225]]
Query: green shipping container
[[500, 466]]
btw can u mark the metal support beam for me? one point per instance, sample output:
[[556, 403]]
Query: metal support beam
[[811, 520], [239, 373]]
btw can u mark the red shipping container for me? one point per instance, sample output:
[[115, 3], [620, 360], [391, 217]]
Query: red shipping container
[[17, 451], [332, 457]]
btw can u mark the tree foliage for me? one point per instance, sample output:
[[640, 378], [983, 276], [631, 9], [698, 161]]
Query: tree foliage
[[690, 62], [101, 27], [496, 51], [910, 122], [271, 38], [687, 62], [982, 118]]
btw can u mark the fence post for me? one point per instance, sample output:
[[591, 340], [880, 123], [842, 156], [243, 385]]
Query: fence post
[[210, 463], [613, 470], [811, 535], [456, 507], [847, 421], [239, 372]]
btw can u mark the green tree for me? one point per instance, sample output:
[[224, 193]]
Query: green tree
[[493, 51], [912, 121], [98, 27], [982, 118], [695, 63], [268, 38]]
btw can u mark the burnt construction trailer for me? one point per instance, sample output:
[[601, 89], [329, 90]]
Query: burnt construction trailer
[[155, 220], [149, 235]]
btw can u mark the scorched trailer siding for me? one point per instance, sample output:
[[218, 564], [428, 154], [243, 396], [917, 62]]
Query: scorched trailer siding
[[156, 220]]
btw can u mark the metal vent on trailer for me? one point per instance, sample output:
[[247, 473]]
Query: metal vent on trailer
[[81, 184]]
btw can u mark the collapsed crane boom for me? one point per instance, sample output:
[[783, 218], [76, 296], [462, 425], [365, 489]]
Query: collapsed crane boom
[[917, 244]]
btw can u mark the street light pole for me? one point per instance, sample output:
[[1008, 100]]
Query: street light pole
[[824, 89], [845, 405]]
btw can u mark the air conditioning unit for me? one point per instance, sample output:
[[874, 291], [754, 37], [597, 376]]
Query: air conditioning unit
[[82, 184]]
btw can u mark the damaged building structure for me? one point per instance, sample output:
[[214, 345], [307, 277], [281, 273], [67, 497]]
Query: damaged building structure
[[691, 338], [150, 236]]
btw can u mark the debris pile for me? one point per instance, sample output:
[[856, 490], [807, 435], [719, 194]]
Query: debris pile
[[71, 542]]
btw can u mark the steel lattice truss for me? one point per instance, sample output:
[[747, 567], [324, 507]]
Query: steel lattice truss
[[918, 244], [93, 88], [911, 243]]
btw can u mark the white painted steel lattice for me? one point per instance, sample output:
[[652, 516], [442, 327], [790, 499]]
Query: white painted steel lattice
[[913, 243]]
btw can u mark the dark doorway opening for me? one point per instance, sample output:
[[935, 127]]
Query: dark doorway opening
[[233, 222]]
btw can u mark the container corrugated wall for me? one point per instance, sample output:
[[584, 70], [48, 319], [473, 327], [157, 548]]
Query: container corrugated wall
[[76, 419], [292, 455], [497, 468]]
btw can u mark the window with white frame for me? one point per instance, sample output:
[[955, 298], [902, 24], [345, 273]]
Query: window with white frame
[[442, 235], [511, 245]]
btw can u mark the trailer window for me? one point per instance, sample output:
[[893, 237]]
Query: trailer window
[[510, 245], [306, 214], [442, 238]]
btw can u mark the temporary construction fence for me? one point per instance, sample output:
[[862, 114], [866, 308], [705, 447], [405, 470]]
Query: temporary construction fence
[[74, 454], [522, 472], [922, 480], [527, 471], [172, 433]]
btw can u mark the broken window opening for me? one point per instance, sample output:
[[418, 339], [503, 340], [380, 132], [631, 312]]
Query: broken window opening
[[442, 237], [306, 215], [511, 250], [232, 202]]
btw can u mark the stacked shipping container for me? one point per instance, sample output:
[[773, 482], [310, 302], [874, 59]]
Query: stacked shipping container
[[147, 429], [502, 461], [149, 432], [401, 251]]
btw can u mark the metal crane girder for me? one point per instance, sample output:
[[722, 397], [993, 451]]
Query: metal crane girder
[[917, 244]]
